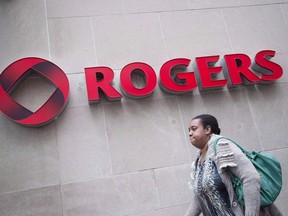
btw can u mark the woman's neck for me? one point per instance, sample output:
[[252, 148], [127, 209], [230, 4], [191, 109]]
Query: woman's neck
[[204, 151]]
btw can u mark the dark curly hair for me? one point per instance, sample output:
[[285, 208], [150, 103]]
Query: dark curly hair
[[209, 120]]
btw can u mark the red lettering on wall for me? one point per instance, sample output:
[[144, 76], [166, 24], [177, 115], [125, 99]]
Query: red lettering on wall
[[126, 82], [270, 71], [183, 82], [100, 79], [207, 71], [238, 71], [175, 80]]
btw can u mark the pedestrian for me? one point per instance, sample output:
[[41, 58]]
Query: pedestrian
[[213, 191]]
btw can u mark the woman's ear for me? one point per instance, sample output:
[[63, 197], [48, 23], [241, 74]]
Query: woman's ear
[[208, 129]]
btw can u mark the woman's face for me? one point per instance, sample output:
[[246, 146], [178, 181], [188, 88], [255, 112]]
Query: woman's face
[[199, 135]]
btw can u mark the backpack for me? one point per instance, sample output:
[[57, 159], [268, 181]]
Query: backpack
[[270, 172]]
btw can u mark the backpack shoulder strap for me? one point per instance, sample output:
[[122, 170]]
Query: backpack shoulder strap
[[225, 157], [226, 138]]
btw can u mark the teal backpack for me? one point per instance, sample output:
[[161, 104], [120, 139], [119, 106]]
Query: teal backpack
[[270, 172]]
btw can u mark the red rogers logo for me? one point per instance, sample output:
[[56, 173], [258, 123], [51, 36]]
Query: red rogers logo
[[11, 77], [237, 69]]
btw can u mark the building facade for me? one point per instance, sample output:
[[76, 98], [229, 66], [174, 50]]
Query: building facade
[[133, 156]]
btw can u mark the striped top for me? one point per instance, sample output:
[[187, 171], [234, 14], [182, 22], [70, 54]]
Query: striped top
[[211, 192]]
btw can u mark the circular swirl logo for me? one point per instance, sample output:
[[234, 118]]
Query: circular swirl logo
[[12, 76]]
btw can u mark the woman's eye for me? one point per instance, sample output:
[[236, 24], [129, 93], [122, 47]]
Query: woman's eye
[[192, 129]]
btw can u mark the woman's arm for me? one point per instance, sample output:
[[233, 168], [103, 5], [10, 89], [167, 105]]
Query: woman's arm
[[194, 208], [250, 178]]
